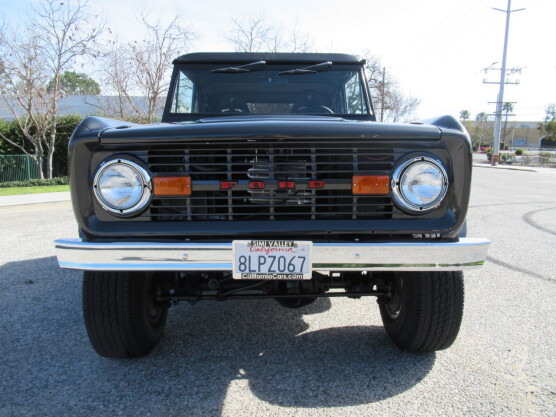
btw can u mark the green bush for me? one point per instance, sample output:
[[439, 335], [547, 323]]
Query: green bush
[[519, 152], [10, 130], [66, 126], [36, 182], [544, 157], [504, 157], [507, 158]]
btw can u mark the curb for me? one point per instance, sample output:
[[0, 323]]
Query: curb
[[16, 200], [505, 167]]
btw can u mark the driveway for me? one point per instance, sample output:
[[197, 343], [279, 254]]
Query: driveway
[[332, 358]]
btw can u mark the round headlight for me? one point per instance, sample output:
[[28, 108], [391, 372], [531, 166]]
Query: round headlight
[[122, 186], [419, 184]]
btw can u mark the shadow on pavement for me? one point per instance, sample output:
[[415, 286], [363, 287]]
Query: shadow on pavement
[[49, 368]]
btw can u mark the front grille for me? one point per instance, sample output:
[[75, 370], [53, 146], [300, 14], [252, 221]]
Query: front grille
[[333, 163]]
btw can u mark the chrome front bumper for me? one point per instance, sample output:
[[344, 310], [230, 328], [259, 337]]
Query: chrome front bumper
[[466, 254]]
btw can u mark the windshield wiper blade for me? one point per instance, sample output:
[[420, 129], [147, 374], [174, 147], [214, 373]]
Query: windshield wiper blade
[[308, 70], [241, 68]]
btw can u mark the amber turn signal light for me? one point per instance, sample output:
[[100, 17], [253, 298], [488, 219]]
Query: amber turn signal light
[[370, 184], [172, 185]]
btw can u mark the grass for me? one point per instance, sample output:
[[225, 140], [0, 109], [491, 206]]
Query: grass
[[33, 190]]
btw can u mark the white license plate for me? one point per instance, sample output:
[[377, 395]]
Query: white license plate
[[272, 259]]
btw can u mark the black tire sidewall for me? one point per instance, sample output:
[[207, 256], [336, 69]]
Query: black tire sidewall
[[403, 328], [116, 313], [147, 331], [431, 311]]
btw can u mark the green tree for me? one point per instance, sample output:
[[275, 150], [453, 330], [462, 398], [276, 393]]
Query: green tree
[[464, 116], [11, 130], [75, 83], [483, 132], [548, 128], [507, 108]]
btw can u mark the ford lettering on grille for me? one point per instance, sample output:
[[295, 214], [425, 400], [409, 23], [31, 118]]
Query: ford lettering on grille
[[279, 185]]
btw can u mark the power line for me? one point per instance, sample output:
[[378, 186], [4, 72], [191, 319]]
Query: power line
[[424, 65]]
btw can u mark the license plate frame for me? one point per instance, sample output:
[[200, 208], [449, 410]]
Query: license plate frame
[[272, 259]]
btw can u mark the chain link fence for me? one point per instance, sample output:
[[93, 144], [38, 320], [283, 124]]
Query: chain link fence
[[17, 168]]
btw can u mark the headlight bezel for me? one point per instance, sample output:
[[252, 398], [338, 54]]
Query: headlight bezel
[[397, 193], [146, 179]]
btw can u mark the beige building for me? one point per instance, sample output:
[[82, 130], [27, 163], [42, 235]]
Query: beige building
[[518, 134], [522, 135]]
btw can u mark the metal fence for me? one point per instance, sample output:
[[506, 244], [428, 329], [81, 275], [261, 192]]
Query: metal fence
[[17, 168]]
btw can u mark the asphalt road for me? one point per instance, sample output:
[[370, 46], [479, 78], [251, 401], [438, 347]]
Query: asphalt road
[[243, 358]]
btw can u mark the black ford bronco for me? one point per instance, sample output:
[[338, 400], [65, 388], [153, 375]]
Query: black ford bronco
[[269, 177]]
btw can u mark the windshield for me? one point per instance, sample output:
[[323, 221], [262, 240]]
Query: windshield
[[267, 91]]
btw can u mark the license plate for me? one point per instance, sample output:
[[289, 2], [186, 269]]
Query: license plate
[[272, 259]]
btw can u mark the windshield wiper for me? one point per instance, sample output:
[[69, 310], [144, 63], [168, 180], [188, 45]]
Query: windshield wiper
[[309, 70], [241, 68]]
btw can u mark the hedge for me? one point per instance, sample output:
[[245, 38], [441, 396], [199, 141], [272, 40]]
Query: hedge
[[66, 126], [35, 183]]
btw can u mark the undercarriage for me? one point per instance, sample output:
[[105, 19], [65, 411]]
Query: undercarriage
[[218, 285]]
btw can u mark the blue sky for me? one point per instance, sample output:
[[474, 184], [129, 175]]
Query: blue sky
[[435, 48]]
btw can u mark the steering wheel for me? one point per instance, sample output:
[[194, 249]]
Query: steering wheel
[[315, 109], [232, 110]]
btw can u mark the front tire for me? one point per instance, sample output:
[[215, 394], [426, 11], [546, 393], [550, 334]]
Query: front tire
[[122, 317], [425, 310]]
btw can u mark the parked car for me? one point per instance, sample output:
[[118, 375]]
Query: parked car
[[269, 177]]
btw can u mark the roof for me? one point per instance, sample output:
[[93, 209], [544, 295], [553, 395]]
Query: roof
[[82, 105], [247, 57]]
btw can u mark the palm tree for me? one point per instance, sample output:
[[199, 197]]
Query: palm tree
[[507, 108], [464, 115], [482, 134]]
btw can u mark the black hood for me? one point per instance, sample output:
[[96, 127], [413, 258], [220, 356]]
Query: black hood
[[261, 127]]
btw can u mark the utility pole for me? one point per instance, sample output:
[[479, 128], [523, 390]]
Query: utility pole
[[500, 100]]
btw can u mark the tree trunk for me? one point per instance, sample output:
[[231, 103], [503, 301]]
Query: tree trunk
[[152, 108], [38, 164], [49, 162], [121, 106], [51, 144], [38, 158]]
